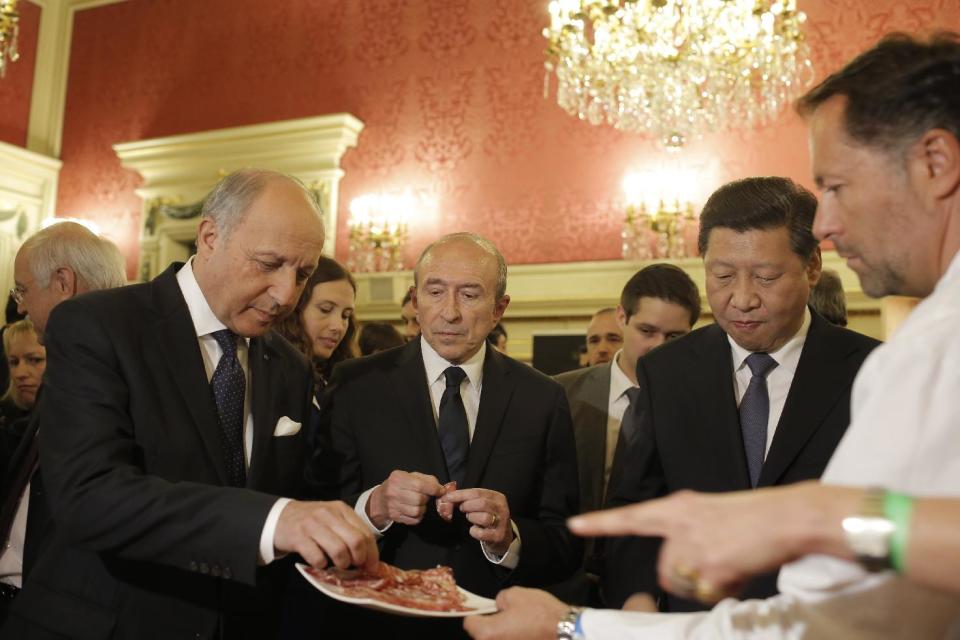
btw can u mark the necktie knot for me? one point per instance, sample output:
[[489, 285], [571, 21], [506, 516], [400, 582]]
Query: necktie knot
[[632, 394], [227, 340], [454, 376], [760, 363]]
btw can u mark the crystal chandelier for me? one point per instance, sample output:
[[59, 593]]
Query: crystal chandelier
[[677, 68], [9, 34]]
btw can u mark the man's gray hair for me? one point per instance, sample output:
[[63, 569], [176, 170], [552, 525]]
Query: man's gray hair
[[230, 199], [478, 240], [97, 262]]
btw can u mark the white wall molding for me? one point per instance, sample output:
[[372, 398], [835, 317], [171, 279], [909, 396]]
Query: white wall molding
[[28, 194], [178, 171], [48, 100]]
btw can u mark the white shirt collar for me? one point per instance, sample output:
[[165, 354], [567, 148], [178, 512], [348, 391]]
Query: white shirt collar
[[619, 382], [205, 321], [787, 356], [435, 365]]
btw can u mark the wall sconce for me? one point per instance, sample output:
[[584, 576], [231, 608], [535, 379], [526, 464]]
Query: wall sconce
[[379, 225], [659, 222]]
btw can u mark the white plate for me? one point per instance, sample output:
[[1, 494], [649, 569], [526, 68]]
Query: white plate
[[476, 605]]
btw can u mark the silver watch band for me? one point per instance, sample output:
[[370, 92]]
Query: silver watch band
[[567, 627]]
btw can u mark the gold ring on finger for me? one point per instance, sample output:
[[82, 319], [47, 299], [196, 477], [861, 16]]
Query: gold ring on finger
[[684, 578], [494, 521], [706, 591]]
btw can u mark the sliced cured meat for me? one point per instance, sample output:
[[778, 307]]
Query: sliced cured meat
[[427, 589]]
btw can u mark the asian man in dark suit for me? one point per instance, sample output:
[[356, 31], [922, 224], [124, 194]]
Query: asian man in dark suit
[[169, 434], [760, 398], [396, 427], [659, 303]]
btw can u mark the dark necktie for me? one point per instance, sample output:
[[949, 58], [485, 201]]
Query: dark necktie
[[20, 477], [754, 413], [452, 425], [229, 385], [631, 418]]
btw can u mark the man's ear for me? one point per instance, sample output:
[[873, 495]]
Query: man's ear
[[934, 166], [814, 267], [207, 236], [63, 282], [501, 307], [622, 317]]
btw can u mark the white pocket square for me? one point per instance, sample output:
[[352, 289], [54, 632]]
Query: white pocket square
[[286, 427]]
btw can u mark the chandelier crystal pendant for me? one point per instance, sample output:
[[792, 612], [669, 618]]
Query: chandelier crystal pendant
[[677, 68], [9, 34]]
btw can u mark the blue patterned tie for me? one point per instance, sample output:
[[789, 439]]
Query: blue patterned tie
[[452, 425], [229, 385], [755, 412]]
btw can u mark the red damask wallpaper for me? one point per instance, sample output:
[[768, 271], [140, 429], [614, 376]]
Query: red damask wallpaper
[[16, 87], [451, 92]]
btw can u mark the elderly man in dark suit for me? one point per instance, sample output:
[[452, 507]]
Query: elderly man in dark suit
[[169, 430], [760, 398], [53, 265], [399, 425], [659, 303]]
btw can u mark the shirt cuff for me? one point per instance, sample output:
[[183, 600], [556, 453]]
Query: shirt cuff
[[511, 558], [268, 552], [361, 509]]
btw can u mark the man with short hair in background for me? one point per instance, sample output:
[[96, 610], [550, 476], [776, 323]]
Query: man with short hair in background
[[604, 336], [54, 264], [659, 303]]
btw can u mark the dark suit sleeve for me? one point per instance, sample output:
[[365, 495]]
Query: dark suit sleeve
[[333, 472], [549, 551], [93, 465], [629, 564]]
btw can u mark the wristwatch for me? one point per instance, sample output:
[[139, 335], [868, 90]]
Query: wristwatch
[[869, 533], [567, 627]]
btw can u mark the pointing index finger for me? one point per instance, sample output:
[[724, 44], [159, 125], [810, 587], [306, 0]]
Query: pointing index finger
[[645, 519]]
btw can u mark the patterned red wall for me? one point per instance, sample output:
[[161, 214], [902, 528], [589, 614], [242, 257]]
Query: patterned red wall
[[451, 92], [16, 87]]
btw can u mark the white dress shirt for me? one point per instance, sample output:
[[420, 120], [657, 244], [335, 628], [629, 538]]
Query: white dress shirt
[[11, 555], [205, 323], [616, 406], [779, 378], [905, 436], [470, 388]]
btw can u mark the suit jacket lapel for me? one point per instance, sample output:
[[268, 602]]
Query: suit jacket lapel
[[267, 382], [821, 378], [176, 339], [410, 384], [590, 416], [494, 399], [712, 382]]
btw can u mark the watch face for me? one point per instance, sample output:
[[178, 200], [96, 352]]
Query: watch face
[[868, 537]]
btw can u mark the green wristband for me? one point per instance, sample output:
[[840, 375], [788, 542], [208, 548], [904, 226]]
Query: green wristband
[[898, 508]]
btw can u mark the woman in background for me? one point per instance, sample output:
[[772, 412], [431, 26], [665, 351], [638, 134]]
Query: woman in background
[[26, 359], [322, 325]]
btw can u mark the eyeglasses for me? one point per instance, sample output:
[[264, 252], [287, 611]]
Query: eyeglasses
[[17, 293]]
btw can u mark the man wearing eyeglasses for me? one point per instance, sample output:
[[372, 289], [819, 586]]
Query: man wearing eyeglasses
[[53, 265]]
